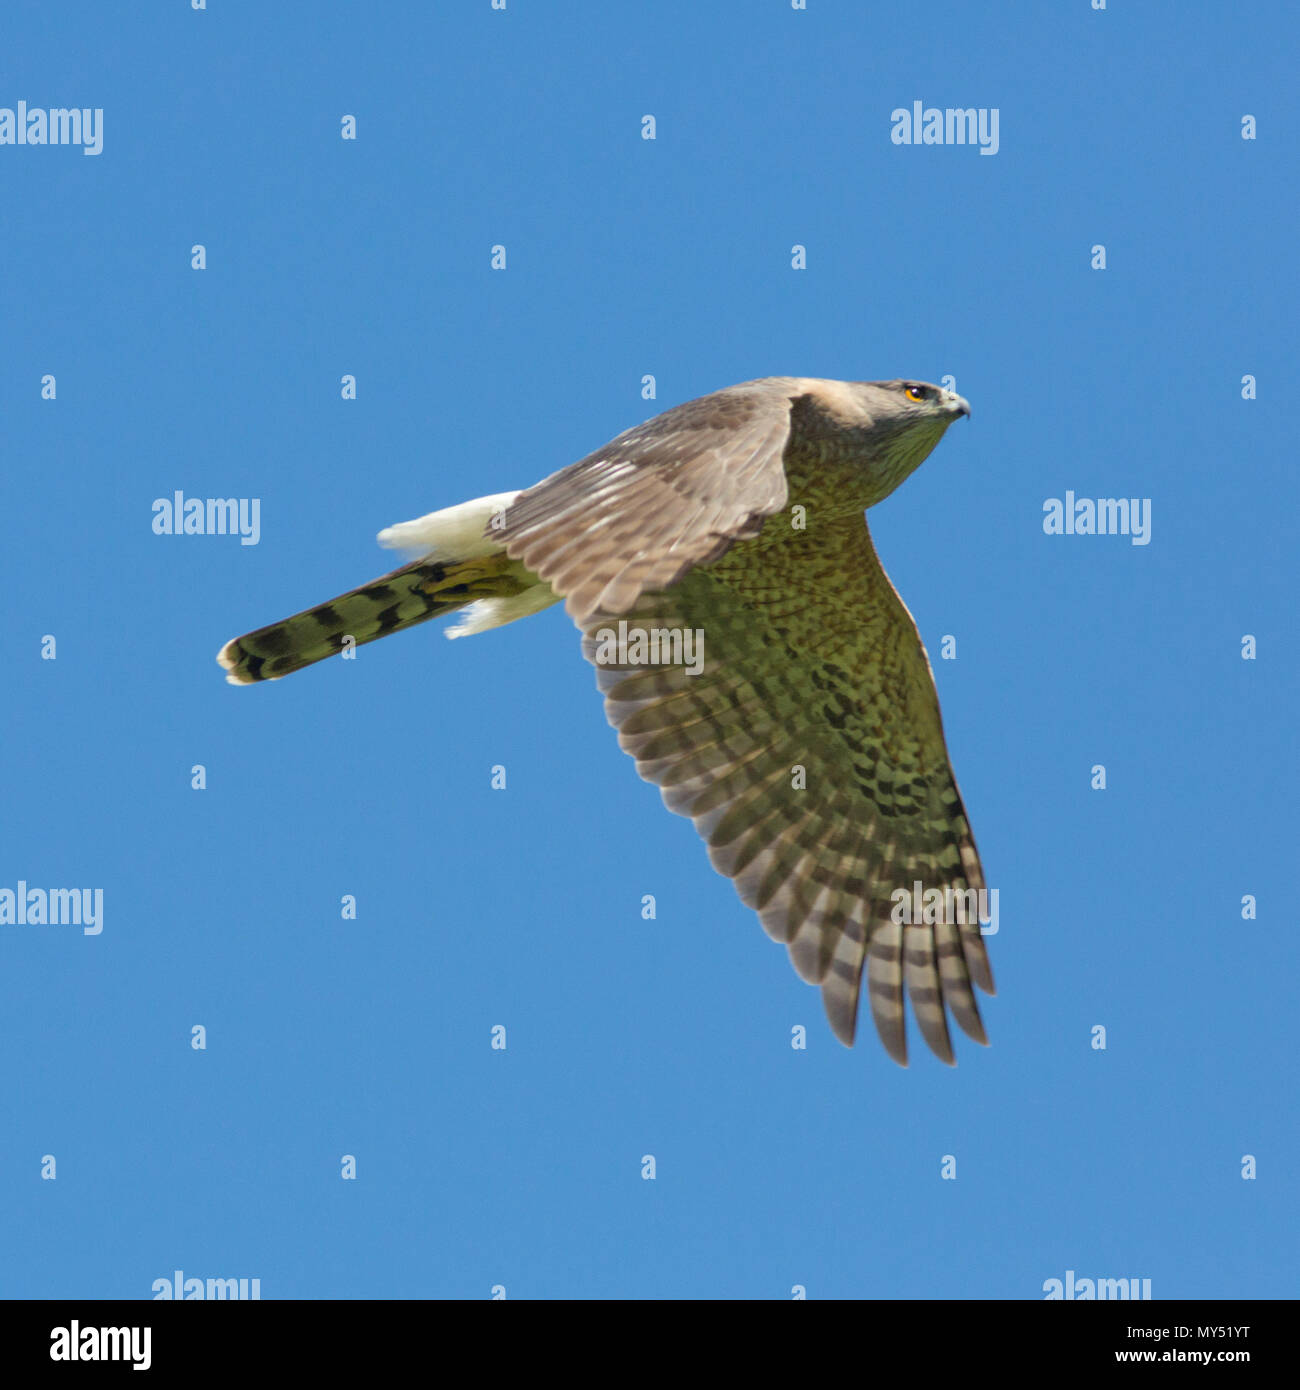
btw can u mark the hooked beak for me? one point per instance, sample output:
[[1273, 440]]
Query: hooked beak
[[959, 405]]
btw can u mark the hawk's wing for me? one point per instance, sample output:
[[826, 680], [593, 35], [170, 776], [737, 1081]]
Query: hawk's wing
[[663, 497], [810, 660]]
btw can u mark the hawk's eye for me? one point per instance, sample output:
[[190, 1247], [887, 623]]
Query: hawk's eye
[[914, 393]]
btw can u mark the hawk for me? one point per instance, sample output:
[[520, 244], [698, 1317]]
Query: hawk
[[806, 744]]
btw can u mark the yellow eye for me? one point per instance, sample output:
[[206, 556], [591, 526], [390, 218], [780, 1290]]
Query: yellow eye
[[914, 393]]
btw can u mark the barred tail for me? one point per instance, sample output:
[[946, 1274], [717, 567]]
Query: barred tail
[[413, 594]]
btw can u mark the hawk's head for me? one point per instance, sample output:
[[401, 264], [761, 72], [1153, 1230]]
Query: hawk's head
[[918, 398], [882, 429]]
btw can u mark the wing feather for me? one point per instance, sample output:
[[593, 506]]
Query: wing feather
[[665, 496], [810, 754]]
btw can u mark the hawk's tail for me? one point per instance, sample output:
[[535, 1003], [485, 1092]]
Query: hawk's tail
[[413, 594]]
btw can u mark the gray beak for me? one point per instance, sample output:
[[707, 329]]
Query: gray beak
[[959, 405]]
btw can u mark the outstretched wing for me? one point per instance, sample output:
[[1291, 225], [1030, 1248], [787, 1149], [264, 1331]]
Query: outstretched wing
[[811, 662], [675, 492]]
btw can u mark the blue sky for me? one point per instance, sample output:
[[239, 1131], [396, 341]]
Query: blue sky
[[522, 1169]]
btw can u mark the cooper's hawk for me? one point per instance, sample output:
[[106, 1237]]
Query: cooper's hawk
[[754, 657]]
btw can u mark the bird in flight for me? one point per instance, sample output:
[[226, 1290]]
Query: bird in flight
[[754, 658]]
